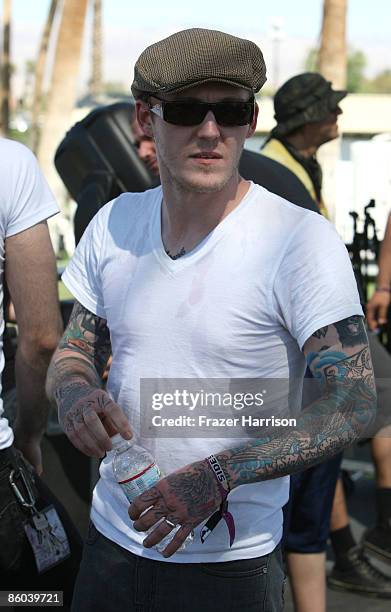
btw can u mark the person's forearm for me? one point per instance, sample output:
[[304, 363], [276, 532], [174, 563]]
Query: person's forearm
[[384, 275], [69, 376], [81, 357], [383, 280], [87, 414], [31, 365], [323, 429], [72, 382]]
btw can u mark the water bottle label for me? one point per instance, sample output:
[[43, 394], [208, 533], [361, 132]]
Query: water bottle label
[[132, 487]]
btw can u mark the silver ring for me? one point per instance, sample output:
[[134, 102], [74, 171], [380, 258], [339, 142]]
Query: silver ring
[[170, 523]]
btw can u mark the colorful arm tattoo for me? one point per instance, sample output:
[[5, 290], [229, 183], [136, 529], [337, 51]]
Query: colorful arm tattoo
[[83, 351], [338, 356]]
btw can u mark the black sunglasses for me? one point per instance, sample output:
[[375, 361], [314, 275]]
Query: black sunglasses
[[186, 113]]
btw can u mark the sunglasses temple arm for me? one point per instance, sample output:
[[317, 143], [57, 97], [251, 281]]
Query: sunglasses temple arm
[[157, 110]]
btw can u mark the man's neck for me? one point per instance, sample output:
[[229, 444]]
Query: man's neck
[[189, 216], [302, 146]]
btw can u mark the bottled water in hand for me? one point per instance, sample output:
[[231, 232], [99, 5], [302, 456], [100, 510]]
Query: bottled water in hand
[[135, 470]]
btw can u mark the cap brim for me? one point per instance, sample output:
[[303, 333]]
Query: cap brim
[[207, 80], [336, 97]]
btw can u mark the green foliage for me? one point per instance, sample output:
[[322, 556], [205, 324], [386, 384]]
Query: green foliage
[[22, 137], [29, 67], [115, 88], [267, 91], [355, 68], [381, 83], [356, 80], [355, 71], [63, 292], [311, 61]]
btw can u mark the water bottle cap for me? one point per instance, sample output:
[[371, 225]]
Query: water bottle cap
[[118, 440]]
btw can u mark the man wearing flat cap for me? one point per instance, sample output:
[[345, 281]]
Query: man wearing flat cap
[[205, 281]]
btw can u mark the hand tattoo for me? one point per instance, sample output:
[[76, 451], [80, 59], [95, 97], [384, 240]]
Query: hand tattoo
[[187, 497]]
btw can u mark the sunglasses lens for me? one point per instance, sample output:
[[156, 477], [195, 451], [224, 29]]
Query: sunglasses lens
[[234, 113], [184, 113], [227, 114]]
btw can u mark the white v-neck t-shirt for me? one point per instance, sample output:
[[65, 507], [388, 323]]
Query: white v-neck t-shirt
[[240, 305]]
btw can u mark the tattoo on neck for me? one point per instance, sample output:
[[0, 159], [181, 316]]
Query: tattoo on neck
[[178, 255]]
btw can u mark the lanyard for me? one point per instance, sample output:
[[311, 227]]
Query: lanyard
[[222, 512]]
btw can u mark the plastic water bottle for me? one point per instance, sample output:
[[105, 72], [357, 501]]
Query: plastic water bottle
[[135, 470]]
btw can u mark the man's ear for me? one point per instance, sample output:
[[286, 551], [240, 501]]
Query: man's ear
[[144, 117], [253, 125]]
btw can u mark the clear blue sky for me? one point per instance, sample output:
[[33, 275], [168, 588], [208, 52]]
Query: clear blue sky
[[366, 18], [129, 26]]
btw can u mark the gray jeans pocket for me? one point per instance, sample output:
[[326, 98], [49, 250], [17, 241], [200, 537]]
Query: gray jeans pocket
[[241, 568]]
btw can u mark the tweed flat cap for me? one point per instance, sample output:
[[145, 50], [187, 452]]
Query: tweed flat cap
[[305, 98], [196, 56]]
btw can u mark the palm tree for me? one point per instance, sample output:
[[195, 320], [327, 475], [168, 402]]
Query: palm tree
[[6, 69], [62, 93], [39, 74], [332, 63], [333, 48], [96, 75]]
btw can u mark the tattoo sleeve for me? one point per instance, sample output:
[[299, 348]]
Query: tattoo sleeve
[[82, 354], [338, 356]]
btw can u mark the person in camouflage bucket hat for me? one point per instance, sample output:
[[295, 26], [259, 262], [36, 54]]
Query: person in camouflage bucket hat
[[306, 111], [305, 98]]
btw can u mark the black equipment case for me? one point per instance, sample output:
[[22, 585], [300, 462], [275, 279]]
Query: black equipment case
[[102, 141]]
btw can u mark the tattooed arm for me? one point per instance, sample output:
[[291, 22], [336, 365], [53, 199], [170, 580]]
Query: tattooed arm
[[339, 357], [86, 412]]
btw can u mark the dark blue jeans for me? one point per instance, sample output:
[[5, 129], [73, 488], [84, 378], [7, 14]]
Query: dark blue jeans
[[308, 511], [113, 579]]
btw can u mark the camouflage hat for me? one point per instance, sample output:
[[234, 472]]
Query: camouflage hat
[[196, 56], [305, 98]]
